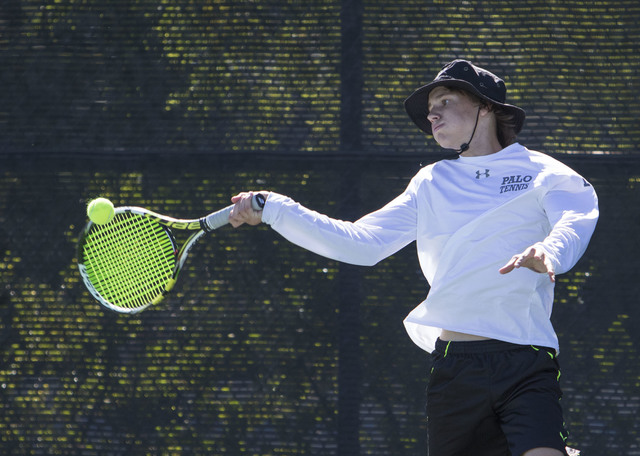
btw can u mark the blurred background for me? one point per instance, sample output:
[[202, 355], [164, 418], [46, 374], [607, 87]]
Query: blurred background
[[264, 348]]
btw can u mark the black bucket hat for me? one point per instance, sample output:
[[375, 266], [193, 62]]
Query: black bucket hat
[[464, 75]]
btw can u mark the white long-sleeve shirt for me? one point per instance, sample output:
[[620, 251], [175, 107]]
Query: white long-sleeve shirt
[[468, 217]]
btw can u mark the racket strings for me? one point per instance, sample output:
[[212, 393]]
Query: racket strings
[[130, 260], [145, 269], [134, 273]]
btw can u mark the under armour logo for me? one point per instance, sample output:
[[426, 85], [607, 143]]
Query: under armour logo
[[480, 173]]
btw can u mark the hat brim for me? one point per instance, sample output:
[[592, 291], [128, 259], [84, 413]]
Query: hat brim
[[417, 104]]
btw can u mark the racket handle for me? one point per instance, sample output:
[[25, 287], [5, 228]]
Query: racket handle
[[221, 218], [216, 220]]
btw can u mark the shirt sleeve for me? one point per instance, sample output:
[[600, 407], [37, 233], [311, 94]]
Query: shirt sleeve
[[572, 210], [364, 242]]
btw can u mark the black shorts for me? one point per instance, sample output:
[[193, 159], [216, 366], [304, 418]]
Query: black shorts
[[492, 398]]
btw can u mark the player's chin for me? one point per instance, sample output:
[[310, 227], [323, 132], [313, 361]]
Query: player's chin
[[444, 142]]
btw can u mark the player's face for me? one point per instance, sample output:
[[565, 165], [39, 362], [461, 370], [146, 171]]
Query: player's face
[[452, 116]]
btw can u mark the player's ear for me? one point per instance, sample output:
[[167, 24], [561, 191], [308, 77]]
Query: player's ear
[[485, 107]]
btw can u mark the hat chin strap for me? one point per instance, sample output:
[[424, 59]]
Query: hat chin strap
[[465, 146]]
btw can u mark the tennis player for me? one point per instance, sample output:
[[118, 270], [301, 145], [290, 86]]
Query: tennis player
[[492, 227]]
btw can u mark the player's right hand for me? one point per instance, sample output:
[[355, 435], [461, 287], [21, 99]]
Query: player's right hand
[[243, 212]]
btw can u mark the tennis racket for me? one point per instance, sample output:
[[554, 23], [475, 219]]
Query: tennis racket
[[133, 261]]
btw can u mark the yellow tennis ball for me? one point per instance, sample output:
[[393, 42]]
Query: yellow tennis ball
[[100, 211]]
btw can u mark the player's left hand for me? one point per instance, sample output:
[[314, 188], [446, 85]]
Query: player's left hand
[[533, 258]]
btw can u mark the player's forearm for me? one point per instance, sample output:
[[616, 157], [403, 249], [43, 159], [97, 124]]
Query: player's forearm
[[362, 243], [569, 238]]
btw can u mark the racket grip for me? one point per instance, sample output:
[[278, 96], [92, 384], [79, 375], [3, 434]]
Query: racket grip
[[220, 218], [217, 219]]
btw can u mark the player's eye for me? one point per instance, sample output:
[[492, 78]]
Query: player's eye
[[443, 102]]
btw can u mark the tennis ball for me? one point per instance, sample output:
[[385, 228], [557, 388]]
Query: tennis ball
[[100, 211]]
